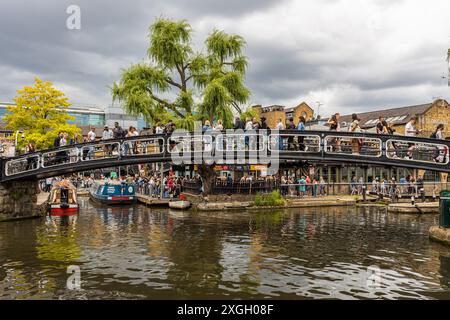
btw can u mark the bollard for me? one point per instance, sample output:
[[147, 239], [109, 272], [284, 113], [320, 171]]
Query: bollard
[[413, 200], [364, 192], [444, 220]]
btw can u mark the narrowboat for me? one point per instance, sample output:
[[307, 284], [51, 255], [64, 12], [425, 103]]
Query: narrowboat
[[63, 199], [110, 193]]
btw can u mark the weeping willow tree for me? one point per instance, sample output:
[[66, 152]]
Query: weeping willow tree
[[183, 85], [180, 84]]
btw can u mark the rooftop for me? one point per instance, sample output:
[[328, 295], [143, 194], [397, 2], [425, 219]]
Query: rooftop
[[393, 115]]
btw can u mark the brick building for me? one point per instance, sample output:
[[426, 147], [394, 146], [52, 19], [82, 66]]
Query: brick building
[[428, 117], [275, 112]]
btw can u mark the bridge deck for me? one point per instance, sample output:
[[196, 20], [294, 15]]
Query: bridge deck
[[250, 147]]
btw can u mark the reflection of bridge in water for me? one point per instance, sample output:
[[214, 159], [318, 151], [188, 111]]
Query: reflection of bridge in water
[[250, 147]]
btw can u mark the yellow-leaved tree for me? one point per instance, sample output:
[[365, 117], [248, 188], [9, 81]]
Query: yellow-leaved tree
[[40, 112]]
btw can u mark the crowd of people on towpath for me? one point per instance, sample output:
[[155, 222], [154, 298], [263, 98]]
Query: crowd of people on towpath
[[169, 185]]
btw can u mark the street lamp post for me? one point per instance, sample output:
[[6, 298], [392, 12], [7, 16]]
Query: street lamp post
[[318, 108], [15, 143]]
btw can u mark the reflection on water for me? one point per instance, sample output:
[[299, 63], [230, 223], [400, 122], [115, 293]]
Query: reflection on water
[[138, 252]]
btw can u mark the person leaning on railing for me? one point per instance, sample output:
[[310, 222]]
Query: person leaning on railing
[[411, 131], [356, 142], [441, 153], [91, 136], [75, 139], [31, 161], [106, 135], [335, 126], [301, 127]]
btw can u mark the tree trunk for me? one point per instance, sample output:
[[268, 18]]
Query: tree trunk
[[208, 176]]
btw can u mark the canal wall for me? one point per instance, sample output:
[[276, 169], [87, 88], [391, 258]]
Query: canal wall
[[19, 199], [421, 208], [239, 202]]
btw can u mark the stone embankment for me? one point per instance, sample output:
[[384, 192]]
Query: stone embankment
[[440, 234], [19, 200], [328, 201], [420, 207]]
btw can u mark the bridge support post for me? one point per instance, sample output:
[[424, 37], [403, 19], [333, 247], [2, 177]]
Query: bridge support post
[[18, 199]]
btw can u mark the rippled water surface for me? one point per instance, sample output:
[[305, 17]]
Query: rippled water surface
[[142, 253]]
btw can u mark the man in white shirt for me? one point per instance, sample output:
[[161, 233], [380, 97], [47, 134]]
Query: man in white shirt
[[107, 133], [91, 135], [280, 126], [411, 131], [91, 138], [410, 128], [249, 124]]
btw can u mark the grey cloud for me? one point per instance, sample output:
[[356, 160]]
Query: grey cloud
[[113, 35]]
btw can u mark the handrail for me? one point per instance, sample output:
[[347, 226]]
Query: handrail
[[320, 133], [376, 146]]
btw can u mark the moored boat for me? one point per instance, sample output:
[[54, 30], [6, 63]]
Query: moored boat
[[109, 193], [63, 199], [179, 204]]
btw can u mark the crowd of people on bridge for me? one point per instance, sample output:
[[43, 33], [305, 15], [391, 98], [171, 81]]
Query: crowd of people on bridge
[[133, 147], [334, 124]]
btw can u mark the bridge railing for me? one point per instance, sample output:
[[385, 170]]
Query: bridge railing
[[59, 157], [414, 151], [251, 141], [294, 142], [190, 143], [358, 146], [21, 165], [101, 151], [398, 150]]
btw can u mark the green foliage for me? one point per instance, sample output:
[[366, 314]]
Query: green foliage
[[183, 84], [249, 113], [40, 111], [273, 199]]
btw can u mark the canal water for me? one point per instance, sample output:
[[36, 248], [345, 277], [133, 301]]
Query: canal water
[[143, 253]]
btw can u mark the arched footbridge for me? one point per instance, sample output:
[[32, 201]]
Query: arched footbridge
[[233, 147]]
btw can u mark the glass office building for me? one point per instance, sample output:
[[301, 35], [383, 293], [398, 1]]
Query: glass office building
[[84, 115], [89, 115], [115, 113]]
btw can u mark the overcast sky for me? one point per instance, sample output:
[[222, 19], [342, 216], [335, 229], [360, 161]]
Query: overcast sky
[[350, 55]]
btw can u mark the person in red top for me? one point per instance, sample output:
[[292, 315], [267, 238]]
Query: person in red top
[[308, 184], [170, 184]]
